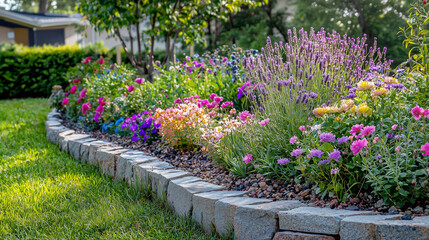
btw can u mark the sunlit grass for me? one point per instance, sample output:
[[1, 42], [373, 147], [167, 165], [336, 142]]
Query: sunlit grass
[[45, 194]]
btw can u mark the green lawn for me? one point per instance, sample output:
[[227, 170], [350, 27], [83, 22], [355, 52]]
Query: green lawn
[[45, 194]]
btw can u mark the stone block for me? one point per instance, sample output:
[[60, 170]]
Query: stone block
[[159, 180], [75, 144], [301, 236], [203, 211], [131, 164], [106, 157], [260, 221], [384, 227], [52, 123], [121, 163], [225, 211], [52, 133], [61, 137], [141, 172], [65, 142], [315, 219], [179, 195], [92, 151]]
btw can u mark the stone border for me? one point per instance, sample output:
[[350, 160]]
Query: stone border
[[216, 209]]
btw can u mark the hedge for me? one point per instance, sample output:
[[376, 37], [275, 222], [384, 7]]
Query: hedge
[[32, 71]]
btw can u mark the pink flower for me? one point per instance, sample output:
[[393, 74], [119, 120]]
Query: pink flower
[[264, 122], [73, 89], [417, 112], [218, 99], [394, 127], [334, 171], [86, 107], [97, 117], [368, 130], [76, 80], [233, 111], [425, 149], [356, 129], [248, 158], [66, 94], [226, 104], [398, 149], [178, 101], [83, 93], [100, 109], [358, 145], [139, 80], [293, 139], [302, 128], [101, 61], [101, 102], [245, 115], [131, 88], [375, 140], [79, 100], [426, 113], [212, 96], [87, 60], [65, 101]]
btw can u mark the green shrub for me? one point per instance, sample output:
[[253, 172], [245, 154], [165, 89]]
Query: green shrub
[[32, 71]]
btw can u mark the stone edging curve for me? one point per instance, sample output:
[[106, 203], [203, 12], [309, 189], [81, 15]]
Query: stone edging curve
[[216, 209]]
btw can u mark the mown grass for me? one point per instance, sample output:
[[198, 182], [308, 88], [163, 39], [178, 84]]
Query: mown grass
[[45, 194]]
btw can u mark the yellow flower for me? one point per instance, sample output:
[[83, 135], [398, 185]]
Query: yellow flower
[[365, 85], [364, 110], [346, 105], [333, 109], [390, 80], [320, 111], [379, 92], [337, 119]]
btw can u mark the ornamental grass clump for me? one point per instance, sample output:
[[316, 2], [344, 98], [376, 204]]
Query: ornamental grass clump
[[288, 80]]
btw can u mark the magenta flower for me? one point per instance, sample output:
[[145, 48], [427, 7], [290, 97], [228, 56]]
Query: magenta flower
[[73, 89], [245, 115], [282, 161], [417, 112], [97, 117], [293, 139], [358, 145], [131, 88], [83, 93], [86, 107], [425, 149], [398, 149], [101, 102], [368, 130], [394, 127], [375, 140], [139, 80], [334, 171], [87, 60], [302, 128], [356, 129], [65, 101], [426, 113], [316, 153], [218, 99], [178, 101], [66, 94], [76, 80], [264, 122], [212, 96], [327, 137], [248, 158], [100, 109], [101, 61], [226, 104], [296, 152]]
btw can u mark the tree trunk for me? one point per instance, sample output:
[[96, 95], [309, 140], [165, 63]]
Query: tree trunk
[[44, 6], [362, 22]]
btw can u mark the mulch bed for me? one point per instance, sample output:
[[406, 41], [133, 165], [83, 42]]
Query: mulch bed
[[258, 186]]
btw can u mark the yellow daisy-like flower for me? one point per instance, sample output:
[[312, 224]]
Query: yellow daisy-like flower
[[365, 85], [388, 80], [337, 119], [379, 92]]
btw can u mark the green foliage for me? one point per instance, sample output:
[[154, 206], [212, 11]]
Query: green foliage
[[32, 71]]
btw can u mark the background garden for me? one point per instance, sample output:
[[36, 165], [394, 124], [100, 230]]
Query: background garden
[[326, 103]]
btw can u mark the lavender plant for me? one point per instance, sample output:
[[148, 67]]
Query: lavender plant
[[287, 80]]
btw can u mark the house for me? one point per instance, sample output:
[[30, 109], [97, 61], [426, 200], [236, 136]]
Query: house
[[33, 29]]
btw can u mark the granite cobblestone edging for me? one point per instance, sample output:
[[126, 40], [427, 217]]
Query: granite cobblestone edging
[[216, 209]]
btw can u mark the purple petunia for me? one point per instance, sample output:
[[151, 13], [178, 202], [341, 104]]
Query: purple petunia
[[296, 152], [327, 137], [135, 137], [316, 153], [335, 155], [342, 139]]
